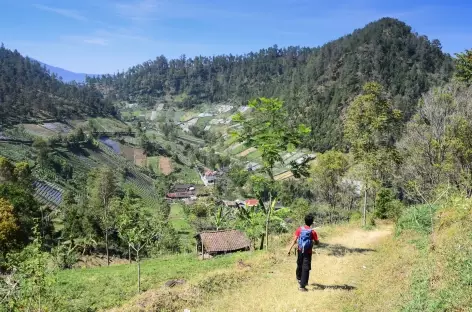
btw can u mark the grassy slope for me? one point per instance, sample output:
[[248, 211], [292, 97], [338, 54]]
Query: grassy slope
[[416, 271], [409, 271], [105, 287], [180, 224]]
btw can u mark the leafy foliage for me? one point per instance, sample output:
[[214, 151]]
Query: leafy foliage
[[464, 66], [371, 127], [8, 225], [328, 172]]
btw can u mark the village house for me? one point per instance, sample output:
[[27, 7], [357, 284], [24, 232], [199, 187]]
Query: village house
[[251, 202], [183, 188], [182, 191], [210, 176], [221, 242]]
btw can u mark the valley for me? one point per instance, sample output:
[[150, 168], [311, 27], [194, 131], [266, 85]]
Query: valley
[[178, 183]]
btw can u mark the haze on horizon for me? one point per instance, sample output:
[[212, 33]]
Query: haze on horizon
[[105, 36]]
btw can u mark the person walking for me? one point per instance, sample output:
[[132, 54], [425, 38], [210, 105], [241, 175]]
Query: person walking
[[305, 237]]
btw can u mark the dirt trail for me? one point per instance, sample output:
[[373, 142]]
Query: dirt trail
[[336, 268]]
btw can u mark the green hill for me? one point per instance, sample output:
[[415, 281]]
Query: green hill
[[317, 83], [28, 92]]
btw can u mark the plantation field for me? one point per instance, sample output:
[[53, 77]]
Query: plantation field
[[165, 165], [153, 163], [38, 130], [254, 156], [203, 121], [57, 127], [247, 152], [186, 174], [127, 152], [283, 176], [15, 152], [107, 124], [140, 158]]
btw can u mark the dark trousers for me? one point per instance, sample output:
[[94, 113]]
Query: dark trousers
[[303, 268]]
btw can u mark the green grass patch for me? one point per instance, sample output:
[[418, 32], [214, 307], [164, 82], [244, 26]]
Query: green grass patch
[[153, 162], [256, 155], [106, 287], [107, 124], [203, 121], [185, 174], [237, 150]]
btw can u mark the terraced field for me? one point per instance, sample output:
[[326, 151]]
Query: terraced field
[[15, 152], [247, 152], [165, 165], [283, 176], [38, 130], [48, 193]]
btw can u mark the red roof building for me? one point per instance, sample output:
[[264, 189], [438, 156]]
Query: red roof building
[[252, 202]]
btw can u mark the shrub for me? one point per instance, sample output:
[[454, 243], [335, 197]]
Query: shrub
[[416, 218], [386, 206]]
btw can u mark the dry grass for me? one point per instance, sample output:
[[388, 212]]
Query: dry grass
[[140, 158], [38, 130], [385, 284], [276, 287], [197, 291], [284, 175], [165, 165], [247, 152]]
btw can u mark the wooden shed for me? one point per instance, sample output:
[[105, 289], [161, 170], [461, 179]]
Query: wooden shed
[[221, 242]]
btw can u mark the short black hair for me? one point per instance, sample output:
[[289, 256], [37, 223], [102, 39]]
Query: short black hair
[[309, 219]]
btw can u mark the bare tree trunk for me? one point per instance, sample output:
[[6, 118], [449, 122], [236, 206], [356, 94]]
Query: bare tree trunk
[[269, 212], [262, 242], [106, 246], [364, 217], [129, 253], [139, 272]]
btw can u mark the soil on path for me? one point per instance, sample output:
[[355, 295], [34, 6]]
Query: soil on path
[[337, 268]]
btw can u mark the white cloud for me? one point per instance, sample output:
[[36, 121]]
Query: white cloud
[[141, 10], [101, 41], [64, 12]]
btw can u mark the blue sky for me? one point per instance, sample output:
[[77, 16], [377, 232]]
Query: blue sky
[[103, 36]]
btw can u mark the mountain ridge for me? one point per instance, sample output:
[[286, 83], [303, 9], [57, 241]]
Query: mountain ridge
[[67, 75], [316, 83]]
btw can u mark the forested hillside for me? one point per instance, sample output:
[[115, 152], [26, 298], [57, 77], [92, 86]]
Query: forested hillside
[[28, 91], [317, 83]]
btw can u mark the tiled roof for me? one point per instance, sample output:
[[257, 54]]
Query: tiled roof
[[252, 202], [222, 241]]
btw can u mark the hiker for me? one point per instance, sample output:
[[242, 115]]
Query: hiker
[[304, 236]]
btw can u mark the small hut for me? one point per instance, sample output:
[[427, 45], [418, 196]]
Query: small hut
[[221, 242]]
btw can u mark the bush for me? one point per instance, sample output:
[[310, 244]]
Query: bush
[[64, 257], [386, 206], [355, 216], [416, 218]]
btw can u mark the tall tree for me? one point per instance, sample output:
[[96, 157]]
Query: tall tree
[[105, 187], [327, 172], [372, 126], [464, 66], [138, 229], [267, 130]]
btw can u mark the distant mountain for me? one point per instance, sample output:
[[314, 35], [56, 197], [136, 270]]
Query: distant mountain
[[67, 76]]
